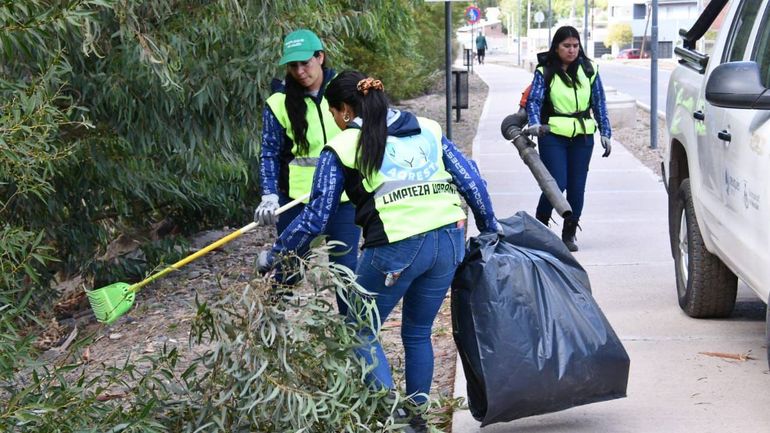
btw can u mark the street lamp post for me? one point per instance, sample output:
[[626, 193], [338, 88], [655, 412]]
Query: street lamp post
[[654, 79], [585, 24], [448, 66], [518, 31], [549, 21]]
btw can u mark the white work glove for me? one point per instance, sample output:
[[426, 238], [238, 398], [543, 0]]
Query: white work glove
[[607, 145], [265, 213], [536, 130]]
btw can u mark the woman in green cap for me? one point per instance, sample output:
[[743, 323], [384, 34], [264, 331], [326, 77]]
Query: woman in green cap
[[296, 125]]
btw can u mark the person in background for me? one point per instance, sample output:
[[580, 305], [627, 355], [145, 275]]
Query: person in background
[[481, 47], [296, 126], [405, 179], [565, 90]]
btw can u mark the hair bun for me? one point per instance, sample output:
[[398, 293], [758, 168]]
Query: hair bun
[[369, 83]]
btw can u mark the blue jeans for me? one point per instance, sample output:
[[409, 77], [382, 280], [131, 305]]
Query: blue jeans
[[341, 227], [567, 160], [427, 264]]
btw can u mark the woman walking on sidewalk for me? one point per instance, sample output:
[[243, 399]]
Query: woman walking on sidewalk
[[405, 179], [565, 90]]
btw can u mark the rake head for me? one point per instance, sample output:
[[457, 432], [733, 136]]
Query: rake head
[[111, 302]]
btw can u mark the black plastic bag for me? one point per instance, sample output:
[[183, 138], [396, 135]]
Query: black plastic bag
[[531, 338]]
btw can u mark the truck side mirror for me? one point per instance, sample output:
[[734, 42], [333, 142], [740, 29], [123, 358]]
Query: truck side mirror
[[737, 85]]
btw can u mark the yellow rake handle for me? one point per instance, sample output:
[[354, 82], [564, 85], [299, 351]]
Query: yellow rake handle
[[213, 246]]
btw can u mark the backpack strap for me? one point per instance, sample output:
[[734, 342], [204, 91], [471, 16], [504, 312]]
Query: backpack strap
[[547, 110]]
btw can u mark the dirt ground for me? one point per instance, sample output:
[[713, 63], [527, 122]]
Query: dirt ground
[[165, 309], [637, 140]]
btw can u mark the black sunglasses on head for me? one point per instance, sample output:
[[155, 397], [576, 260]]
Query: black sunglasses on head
[[295, 65]]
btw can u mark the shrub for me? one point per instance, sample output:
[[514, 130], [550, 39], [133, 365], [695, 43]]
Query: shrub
[[267, 364], [620, 34], [117, 115]]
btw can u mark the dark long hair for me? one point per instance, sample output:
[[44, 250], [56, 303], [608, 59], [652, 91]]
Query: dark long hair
[[372, 108], [553, 61], [297, 109]]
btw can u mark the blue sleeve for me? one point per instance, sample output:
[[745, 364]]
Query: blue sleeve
[[535, 98], [471, 186], [599, 107], [328, 185], [273, 139]]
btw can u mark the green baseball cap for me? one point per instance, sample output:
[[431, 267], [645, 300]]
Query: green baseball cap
[[300, 45]]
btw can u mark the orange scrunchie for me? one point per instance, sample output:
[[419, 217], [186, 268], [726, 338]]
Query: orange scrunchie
[[366, 84]]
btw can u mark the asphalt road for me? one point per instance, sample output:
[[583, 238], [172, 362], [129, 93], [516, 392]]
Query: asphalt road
[[635, 81]]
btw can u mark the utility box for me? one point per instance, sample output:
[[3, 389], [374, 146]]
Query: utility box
[[459, 90]]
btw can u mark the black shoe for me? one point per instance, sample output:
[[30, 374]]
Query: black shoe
[[568, 234], [417, 425]]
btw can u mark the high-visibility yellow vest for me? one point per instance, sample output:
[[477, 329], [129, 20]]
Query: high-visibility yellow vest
[[412, 193], [571, 105], [320, 129]]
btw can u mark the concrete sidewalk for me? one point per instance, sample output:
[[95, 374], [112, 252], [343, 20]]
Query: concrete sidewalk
[[624, 247]]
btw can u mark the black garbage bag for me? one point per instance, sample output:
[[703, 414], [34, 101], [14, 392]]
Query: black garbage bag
[[531, 338]]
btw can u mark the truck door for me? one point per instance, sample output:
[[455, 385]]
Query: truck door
[[742, 137], [709, 125]]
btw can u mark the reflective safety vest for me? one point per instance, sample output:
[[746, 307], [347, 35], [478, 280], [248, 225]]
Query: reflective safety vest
[[320, 129], [412, 193], [568, 109]]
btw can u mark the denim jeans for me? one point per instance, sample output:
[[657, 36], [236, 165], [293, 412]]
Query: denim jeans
[[427, 264], [341, 227], [567, 160]]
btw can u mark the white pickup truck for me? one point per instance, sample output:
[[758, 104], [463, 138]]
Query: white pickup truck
[[717, 167]]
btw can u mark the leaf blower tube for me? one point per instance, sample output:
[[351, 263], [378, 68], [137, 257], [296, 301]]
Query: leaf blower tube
[[512, 129]]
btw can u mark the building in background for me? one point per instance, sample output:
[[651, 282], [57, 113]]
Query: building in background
[[673, 15]]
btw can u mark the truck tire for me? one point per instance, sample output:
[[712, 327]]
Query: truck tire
[[767, 333], [706, 287]]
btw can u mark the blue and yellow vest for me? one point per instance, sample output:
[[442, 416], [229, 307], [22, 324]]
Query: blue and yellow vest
[[569, 112], [412, 193], [320, 129]]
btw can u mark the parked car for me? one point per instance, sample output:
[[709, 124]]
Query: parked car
[[628, 53], [633, 53], [717, 169]]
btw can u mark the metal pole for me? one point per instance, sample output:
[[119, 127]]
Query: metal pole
[[585, 25], [529, 16], [518, 30], [549, 21], [473, 46], [529, 25], [448, 66], [654, 79], [509, 35]]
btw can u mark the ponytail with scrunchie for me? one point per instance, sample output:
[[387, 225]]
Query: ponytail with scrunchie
[[369, 83]]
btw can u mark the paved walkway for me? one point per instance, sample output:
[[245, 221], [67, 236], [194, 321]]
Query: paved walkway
[[624, 247]]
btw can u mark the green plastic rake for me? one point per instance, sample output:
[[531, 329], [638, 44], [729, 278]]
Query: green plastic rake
[[111, 302]]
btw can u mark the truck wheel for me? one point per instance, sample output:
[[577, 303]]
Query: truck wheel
[[706, 287], [767, 334]]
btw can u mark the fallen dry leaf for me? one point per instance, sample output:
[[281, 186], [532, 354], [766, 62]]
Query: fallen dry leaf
[[110, 396], [735, 356]]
